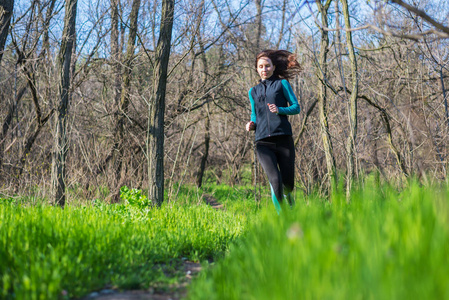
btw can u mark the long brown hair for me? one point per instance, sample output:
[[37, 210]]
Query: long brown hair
[[286, 64]]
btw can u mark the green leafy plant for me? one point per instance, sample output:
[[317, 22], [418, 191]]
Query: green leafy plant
[[134, 197]]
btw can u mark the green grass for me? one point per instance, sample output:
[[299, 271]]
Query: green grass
[[48, 253], [385, 244]]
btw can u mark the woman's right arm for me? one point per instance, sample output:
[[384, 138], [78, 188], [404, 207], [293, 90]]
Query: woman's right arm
[[251, 125], [253, 109]]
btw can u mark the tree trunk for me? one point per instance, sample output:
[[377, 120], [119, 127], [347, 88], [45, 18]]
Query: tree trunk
[[206, 149], [199, 181], [115, 52], [6, 9], [350, 145], [444, 96], [124, 100], [116, 63], [8, 121], [258, 23], [322, 103], [121, 86], [254, 163], [207, 121], [63, 65], [155, 143], [45, 35], [281, 30]]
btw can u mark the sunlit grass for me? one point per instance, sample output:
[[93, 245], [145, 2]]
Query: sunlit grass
[[47, 252], [385, 244]]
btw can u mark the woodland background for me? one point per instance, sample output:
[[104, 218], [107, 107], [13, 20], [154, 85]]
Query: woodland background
[[374, 76]]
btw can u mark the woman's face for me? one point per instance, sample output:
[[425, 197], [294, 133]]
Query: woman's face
[[265, 67]]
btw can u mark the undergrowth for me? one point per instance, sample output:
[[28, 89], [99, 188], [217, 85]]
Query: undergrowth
[[49, 253]]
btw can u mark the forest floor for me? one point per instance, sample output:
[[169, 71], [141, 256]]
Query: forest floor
[[173, 292], [176, 291]]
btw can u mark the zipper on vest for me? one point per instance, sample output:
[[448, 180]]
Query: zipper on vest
[[266, 108]]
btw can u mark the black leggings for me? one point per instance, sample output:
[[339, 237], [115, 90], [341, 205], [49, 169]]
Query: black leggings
[[277, 156]]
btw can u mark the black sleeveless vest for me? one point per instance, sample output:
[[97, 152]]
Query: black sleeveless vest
[[268, 123]]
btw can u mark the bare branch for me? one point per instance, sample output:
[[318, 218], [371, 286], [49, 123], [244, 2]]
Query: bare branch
[[423, 15]]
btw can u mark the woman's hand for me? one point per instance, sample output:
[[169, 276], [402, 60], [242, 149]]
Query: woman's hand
[[273, 108], [250, 126]]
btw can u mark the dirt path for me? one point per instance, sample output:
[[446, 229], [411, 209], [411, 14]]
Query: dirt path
[[176, 292], [209, 199]]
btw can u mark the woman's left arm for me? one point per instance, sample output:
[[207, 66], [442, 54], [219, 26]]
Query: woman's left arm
[[294, 108]]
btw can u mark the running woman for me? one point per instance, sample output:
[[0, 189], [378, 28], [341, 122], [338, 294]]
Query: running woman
[[271, 101]]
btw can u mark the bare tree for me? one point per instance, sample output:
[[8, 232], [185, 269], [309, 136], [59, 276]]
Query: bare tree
[[64, 76], [122, 107], [6, 13], [155, 143], [352, 111], [323, 95], [259, 7], [6, 10], [205, 156]]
